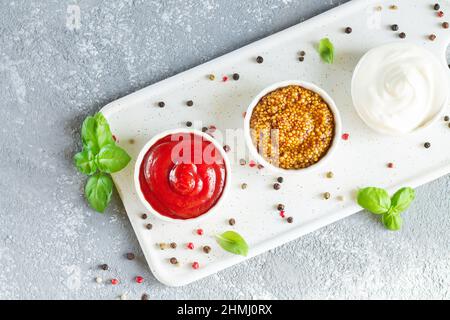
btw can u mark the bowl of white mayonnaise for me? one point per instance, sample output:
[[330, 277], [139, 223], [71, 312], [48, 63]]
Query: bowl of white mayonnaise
[[399, 88]]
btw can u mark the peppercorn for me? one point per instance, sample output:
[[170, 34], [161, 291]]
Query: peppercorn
[[277, 186], [190, 103], [290, 220], [139, 279], [206, 249], [195, 266], [280, 207], [161, 104], [280, 179], [345, 136], [104, 267], [226, 148], [326, 195], [145, 297], [445, 25], [393, 7], [232, 222], [260, 166], [348, 30], [204, 129], [130, 256], [173, 260], [244, 186], [394, 27], [163, 246], [260, 59], [282, 214], [212, 77], [402, 35], [189, 124], [200, 232], [173, 245], [390, 165], [432, 37], [190, 246], [427, 145], [446, 118], [440, 14], [149, 226], [437, 6], [330, 175], [144, 216], [242, 162], [449, 125], [114, 282], [301, 59], [236, 76], [302, 53]]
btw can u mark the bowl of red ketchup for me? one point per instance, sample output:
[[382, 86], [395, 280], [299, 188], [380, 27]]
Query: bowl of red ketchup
[[182, 175]]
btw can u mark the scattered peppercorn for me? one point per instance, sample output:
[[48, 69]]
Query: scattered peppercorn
[[348, 30], [224, 78], [302, 53], [114, 282], [189, 124], [226, 148], [206, 249], [301, 59], [437, 6], [139, 279], [149, 226], [204, 129], [280, 207], [445, 25], [427, 145], [161, 104], [195, 266], [144, 216], [173, 245], [280, 179], [232, 222], [440, 14], [345, 136], [446, 118], [449, 125], [104, 267], [173, 260], [130, 256], [394, 27], [390, 165], [190, 246], [260, 166], [330, 175], [212, 77], [145, 297], [393, 7], [260, 59], [432, 37], [326, 195], [236, 76], [244, 186], [252, 164], [282, 214], [290, 220], [277, 186], [200, 232], [190, 103], [402, 35], [242, 162]]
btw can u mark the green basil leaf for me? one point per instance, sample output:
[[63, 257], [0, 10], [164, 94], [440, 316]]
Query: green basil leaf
[[85, 162], [98, 191], [89, 134], [112, 159], [233, 242], [402, 199], [375, 200], [392, 221], [326, 50], [103, 132]]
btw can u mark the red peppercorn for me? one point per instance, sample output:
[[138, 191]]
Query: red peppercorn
[[139, 279], [200, 232], [114, 282], [282, 214], [252, 163], [225, 79], [190, 246], [390, 165], [440, 14], [195, 265], [345, 136]]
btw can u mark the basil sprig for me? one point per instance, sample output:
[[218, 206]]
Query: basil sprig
[[326, 50], [377, 201], [233, 242], [100, 153]]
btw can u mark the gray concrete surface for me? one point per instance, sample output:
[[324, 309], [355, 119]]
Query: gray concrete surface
[[54, 72]]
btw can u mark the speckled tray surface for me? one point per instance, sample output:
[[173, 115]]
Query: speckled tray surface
[[358, 162]]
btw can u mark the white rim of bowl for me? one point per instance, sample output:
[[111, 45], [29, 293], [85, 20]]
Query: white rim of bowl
[[387, 133], [307, 85], [147, 147]]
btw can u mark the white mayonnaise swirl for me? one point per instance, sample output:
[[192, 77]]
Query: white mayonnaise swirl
[[399, 87]]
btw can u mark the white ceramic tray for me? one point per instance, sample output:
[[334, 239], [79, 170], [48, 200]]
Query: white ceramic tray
[[360, 161]]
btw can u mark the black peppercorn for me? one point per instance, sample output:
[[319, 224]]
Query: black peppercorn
[[301, 59], [402, 35], [290, 220], [348, 30], [204, 129], [260, 59], [445, 25], [144, 216], [236, 76], [145, 297], [302, 53], [432, 37], [149, 226], [130, 256], [190, 103], [277, 186], [280, 207], [104, 267], [189, 124], [280, 179], [173, 260], [161, 104], [226, 148], [437, 6], [427, 145], [232, 222], [394, 27], [446, 118], [173, 245]]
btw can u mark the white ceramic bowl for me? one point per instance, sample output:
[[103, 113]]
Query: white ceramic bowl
[[306, 85], [436, 112], [147, 147]]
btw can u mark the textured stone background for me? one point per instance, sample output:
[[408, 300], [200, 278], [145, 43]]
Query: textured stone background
[[52, 76]]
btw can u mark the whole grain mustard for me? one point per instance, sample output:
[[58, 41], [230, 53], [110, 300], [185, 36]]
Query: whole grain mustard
[[292, 127]]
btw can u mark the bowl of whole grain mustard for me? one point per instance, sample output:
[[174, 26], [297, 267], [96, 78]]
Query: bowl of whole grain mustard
[[292, 127]]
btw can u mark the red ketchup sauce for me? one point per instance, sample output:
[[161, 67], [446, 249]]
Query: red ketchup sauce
[[182, 176]]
